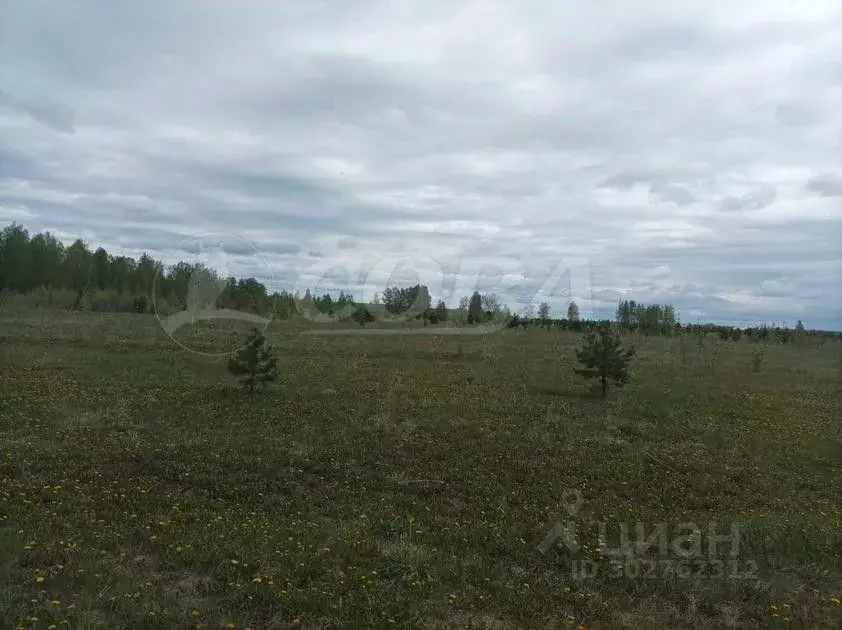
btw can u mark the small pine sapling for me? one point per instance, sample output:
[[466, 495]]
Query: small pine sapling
[[255, 363], [604, 358]]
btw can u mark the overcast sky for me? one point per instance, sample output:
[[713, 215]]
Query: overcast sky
[[680, 152]]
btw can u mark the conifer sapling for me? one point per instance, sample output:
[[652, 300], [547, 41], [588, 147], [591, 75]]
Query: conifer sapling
[[255, 362], [604, 358]]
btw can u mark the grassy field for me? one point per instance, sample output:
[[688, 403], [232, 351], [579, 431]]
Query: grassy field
[[408, 481]]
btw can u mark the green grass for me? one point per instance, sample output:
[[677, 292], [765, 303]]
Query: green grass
[[404, 480]]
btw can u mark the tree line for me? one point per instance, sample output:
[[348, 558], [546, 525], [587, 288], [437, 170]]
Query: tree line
[[75, 276], [647, 318]]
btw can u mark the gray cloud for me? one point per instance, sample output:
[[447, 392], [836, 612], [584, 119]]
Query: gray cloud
[[627, 180], [666, 145], [257, 249], [678, 195], [40, 109], [346, 242], [761, 197], [826, 185], [17, 166]]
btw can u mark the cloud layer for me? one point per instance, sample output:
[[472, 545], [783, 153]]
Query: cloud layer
[[680, 152]]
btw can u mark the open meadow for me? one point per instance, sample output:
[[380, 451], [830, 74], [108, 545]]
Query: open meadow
[[410, 481]]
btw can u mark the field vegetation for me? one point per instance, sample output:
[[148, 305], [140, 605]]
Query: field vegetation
[[398, 480]]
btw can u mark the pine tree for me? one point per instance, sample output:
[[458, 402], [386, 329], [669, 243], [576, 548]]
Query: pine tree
[[604, 358], [362, 315], [441, 311], [255, 362], [544, 313], [475, 313], [800, 334]]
